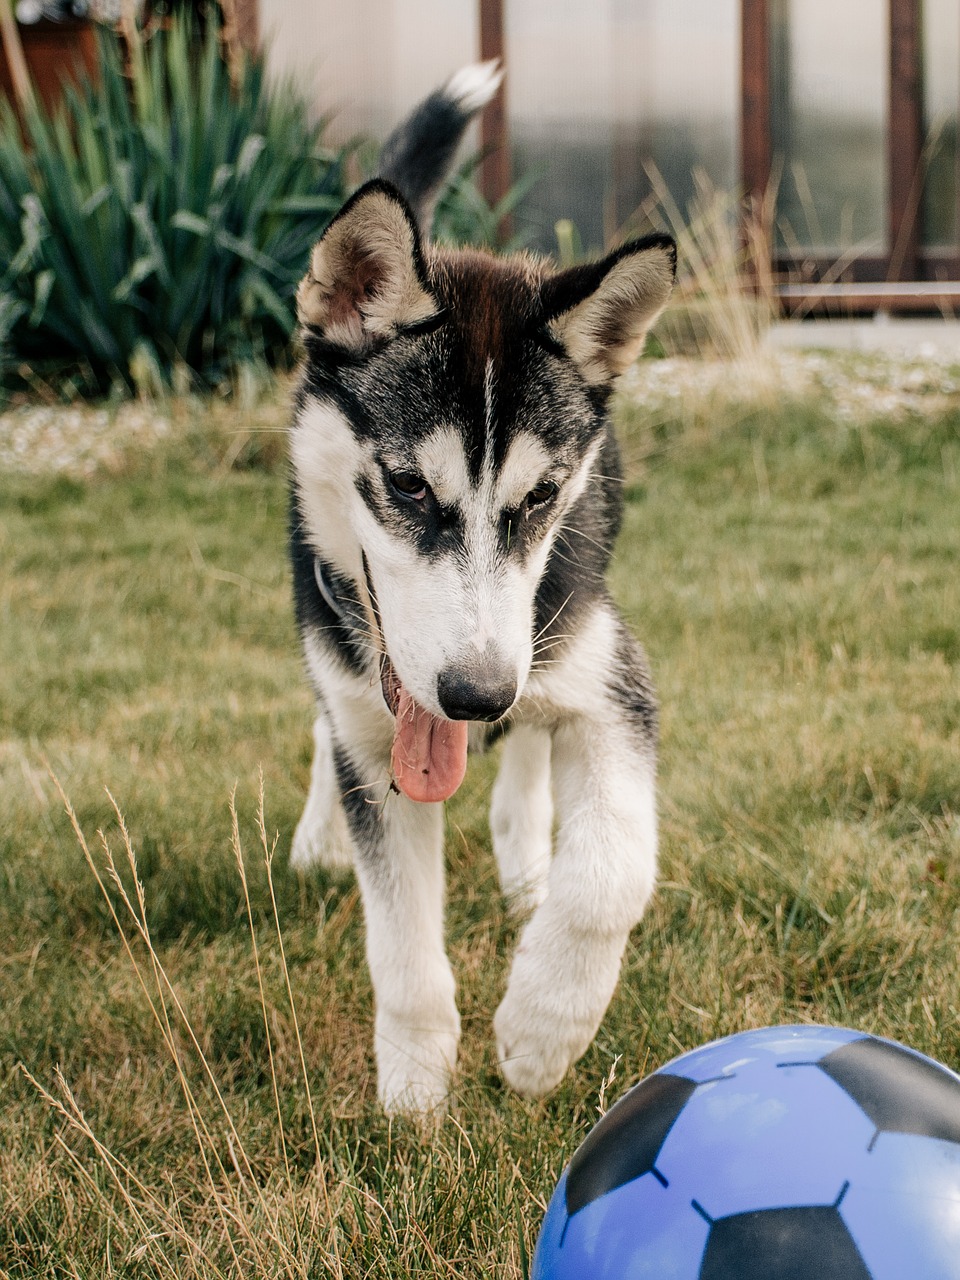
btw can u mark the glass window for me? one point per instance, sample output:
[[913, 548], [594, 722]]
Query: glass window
[[941, 83], [829, 70], [598, 91]]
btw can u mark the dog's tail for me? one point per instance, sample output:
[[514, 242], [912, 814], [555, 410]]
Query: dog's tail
[[417, 156]]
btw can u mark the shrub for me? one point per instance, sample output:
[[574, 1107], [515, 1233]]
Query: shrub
[[161, 220], [465, 216]]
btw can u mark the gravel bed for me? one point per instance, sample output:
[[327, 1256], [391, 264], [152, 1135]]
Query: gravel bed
[[81, 440], [855, 387], [77, 440]]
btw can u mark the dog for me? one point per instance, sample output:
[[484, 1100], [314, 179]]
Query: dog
[[455, 495]]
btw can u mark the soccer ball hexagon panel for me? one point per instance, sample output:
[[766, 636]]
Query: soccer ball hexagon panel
[[788, 1153]]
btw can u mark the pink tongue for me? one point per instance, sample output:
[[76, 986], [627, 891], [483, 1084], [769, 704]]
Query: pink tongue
[[429, 754]]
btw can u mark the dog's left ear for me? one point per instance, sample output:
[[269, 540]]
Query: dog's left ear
[[602, 311], [367, 278]]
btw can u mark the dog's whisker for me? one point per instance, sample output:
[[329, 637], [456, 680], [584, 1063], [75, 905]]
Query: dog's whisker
[[588, 571], [545, 646], [572, 531], [367, 643], [555, 637], [549, 623]]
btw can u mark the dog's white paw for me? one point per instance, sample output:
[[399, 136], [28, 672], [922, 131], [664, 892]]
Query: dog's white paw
[[535, 1045], [414, 1070], [554, 1003], [322, 842]]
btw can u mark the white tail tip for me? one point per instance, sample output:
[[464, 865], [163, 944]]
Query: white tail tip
[[472, 87]]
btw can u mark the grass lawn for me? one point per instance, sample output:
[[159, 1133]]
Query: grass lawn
[[791, 564]]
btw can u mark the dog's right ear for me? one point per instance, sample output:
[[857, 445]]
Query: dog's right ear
[[367, 278], [602, 311]]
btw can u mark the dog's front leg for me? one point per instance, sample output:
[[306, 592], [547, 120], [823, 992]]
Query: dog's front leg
[[521, 817], [322, 836], [400, 871], [568, 959]]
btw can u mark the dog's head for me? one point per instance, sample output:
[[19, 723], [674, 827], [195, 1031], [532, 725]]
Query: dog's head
[[452, 417]]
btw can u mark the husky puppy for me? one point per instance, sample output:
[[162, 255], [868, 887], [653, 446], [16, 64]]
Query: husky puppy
[[455, 498]]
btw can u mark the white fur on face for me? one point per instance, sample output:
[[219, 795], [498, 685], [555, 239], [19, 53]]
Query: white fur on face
[[435, 612], [479, 605], [441, 461], [526, 464], [442, 612], [326, 459]]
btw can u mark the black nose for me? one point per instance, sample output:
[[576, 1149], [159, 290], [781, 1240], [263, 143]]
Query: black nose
[[467, 694]]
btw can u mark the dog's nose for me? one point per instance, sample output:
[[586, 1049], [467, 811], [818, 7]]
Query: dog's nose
[[475, 694]]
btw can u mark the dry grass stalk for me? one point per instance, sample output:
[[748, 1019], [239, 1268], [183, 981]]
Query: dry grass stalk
[[254, 1227], [724, 299]]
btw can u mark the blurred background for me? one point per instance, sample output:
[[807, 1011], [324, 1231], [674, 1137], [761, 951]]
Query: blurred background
[[831, 127], [842, 117]]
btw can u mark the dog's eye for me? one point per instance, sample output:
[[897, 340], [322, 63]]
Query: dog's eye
[[539, 496], [409, 485]]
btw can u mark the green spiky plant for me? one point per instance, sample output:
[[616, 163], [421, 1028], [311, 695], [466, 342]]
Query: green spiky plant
[[161, 219]]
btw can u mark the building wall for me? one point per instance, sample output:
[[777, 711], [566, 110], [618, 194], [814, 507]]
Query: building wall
[[367, 61]]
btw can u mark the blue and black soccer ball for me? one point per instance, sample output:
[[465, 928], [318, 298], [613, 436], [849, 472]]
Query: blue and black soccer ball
[[789, 1153]]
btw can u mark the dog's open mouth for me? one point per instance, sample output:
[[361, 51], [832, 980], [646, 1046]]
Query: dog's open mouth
[[429, 755]]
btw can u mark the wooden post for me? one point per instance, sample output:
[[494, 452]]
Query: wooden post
[[230, 41], [905, 139], [495, 168], [756, 141], [247, 18], [755, 144], [16, 60]]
